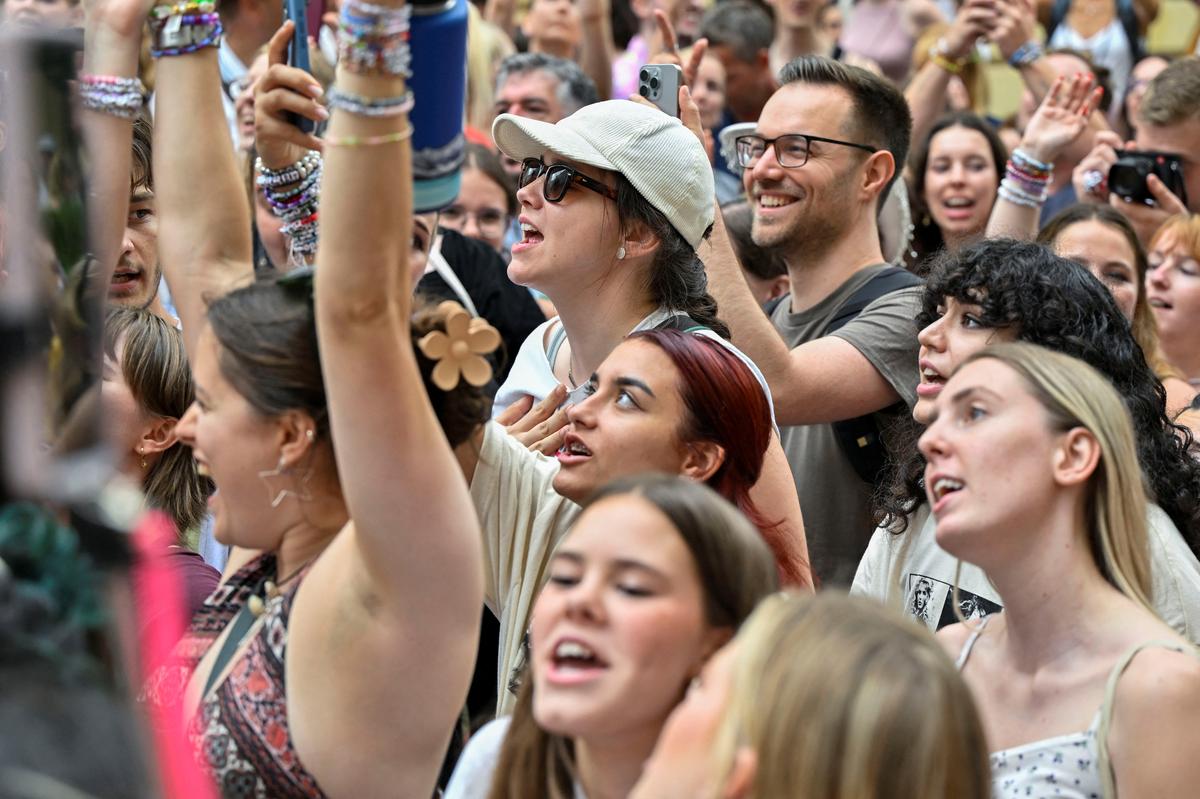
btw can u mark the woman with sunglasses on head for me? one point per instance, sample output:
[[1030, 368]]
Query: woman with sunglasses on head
[[1083, 690], [306, 673], [655, 576], [998, 291]]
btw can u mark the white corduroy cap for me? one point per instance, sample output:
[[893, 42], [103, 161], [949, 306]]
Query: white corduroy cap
[[661, 158]]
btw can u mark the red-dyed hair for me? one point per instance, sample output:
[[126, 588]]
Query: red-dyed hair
[[727, 406]]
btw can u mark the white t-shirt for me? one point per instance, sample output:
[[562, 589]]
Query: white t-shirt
[[532, 373], [912, 571], [472, 778], [523, 519]]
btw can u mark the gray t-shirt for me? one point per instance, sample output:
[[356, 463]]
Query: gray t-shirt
[[835, 501]]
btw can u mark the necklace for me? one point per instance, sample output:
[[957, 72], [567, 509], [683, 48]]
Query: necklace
[[258, 604]]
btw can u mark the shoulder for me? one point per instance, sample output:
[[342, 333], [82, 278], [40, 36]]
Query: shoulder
[[473, 774], [1160, 683], [953, 637]]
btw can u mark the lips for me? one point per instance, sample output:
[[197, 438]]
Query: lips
[[531, 236], [573, 451], [124, 281], [941, 488], [932, 381], [573, 661]]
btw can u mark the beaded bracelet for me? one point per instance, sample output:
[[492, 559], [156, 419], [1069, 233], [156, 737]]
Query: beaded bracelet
[[113, 95], [1012, 192], [368, 141], [370, 106], [183, 28], [1030, 164], [273, 178], [374, 38]]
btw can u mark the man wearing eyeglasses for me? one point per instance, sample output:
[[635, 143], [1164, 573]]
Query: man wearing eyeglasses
[[825, 150]]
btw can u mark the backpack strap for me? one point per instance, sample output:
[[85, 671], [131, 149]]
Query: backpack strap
[[860, 438], [680, 321]]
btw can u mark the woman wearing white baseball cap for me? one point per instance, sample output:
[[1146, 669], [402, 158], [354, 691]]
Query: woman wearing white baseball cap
[[615, 199]]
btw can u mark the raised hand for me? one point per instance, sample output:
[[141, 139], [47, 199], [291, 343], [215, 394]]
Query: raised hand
[[284, 89], [1013, 26], [670, 49], [124, 17], [1061, 118], [973, 21], [1090, 177]]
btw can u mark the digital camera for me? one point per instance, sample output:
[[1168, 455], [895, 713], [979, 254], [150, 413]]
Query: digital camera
[[1127, 177]]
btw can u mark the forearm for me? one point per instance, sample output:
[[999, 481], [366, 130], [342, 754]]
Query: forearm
[[204, 241], [774, 495], [752, 331], [595, 53], [110, 49], [926, 95]]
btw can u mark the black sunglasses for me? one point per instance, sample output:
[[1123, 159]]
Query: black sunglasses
[[559, 178]]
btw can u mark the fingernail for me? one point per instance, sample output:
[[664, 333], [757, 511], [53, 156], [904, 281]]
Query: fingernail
[[322, 112], [315, 89]]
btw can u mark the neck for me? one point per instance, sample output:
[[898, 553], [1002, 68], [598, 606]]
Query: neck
[[801, 40], [609, 769], [1185, 358], [817, 268], [598, 319], [316, 524], [1055, 598], [554, 47]]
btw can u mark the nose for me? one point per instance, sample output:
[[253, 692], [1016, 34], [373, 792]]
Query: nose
[[933, 335], [958, 174], [584, 600], [583, 413], [1160, 275], [185, 428], [470, 227], [531, 193], [766, 167], [933, 443]]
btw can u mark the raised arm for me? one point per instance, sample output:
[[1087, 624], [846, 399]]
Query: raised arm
[[112, 40], [204, 242], [596, 47], [926, 92], [1059, 120]]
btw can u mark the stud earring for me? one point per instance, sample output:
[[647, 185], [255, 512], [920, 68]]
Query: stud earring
[[620, 253]]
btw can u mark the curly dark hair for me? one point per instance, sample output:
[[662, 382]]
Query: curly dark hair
[[1059, 305]]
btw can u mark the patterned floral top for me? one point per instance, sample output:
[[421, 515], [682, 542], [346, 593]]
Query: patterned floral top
[[1063, 766], [240, 732]]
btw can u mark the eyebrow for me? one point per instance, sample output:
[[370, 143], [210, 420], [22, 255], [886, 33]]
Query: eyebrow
[[964, 393], [141, 196], [626, 382], [619, 564]]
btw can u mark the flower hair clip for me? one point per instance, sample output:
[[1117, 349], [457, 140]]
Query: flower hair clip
[[459, 351]]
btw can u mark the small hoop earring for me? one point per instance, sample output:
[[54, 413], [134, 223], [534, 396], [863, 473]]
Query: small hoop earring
[[620, 253]]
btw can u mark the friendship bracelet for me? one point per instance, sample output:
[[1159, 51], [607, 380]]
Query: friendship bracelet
[[1030, 164], [274, 178], [113, 95], [370, 106], [183, 40], [369, 141], [1015, 194], [374, 38]]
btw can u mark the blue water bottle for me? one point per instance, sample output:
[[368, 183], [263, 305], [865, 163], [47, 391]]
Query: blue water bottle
[[438, 44]]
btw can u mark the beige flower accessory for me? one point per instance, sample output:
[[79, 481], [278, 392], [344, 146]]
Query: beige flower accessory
[[459, 351]]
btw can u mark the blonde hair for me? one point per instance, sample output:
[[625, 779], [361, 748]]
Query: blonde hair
[[1076, 395], [487, 46], [841, 698]]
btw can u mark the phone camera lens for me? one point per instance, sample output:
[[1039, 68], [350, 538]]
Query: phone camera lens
[[643, 91], [645, 75], [654, 83]]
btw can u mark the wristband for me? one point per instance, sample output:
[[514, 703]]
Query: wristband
[[1026, 54]]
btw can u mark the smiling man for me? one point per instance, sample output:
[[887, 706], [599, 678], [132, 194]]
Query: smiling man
[[137, 276], [827, 147]]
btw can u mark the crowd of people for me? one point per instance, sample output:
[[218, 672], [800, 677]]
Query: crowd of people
[[834, 437]]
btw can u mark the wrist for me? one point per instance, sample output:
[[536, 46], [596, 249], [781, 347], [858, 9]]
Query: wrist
[[1036, 150], [957, 50], [1024, 55]]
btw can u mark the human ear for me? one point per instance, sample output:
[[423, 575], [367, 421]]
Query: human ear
[[778, 287], [158, 437], [879, 169], [298, 433], [1076, 457], [702, 460], [639, 240], [741, 775]]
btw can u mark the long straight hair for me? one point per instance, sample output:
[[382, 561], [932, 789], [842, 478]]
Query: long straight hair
[[736, 571], [1076, 395]]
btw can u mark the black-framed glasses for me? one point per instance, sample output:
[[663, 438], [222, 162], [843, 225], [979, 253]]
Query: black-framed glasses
[[559, 178], [791, 149]]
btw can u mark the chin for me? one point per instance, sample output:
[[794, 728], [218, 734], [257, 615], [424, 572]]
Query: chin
[[573, 488]]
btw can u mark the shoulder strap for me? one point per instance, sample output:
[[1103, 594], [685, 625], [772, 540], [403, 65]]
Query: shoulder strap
[[1129, 23], [1107, 776], [556, 341], [893, 278], [970, 644], [859, 438], [680, 321], [1058, 12], [238, 628]]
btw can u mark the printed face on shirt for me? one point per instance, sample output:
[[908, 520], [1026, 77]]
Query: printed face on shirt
[[618, 630]]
